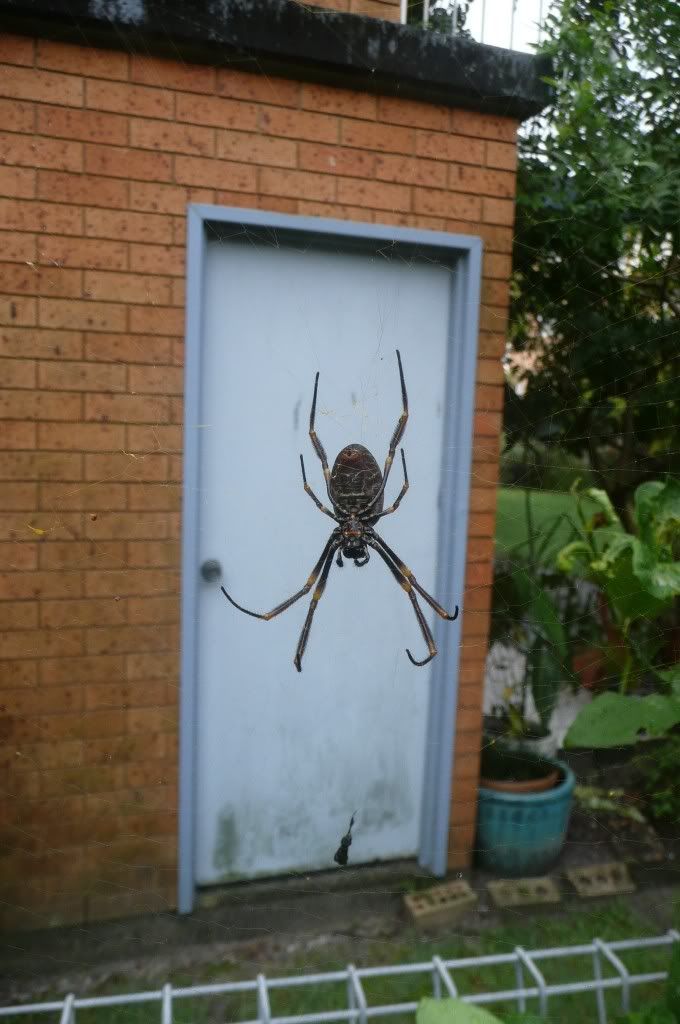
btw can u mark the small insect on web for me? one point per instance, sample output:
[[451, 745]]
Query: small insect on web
[[342, 853], [356, 488]]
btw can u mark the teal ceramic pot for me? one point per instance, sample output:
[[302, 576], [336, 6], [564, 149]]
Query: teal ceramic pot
[[523, 833]]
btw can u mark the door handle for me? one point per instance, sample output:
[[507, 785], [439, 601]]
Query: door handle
[[211, 570]]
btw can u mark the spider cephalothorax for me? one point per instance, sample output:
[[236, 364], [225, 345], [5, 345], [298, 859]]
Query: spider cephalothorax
[[356, 490]]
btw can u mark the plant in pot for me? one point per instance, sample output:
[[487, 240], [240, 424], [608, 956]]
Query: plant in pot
[[638, 575], [525, 794], [533, 613]]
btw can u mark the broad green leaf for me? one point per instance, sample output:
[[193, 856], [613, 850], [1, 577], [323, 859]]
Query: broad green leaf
[[452, 1011], [671, 677], [574, 557], [616, 720], [601, 498], [646, 505]]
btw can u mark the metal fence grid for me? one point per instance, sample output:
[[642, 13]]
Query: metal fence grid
[[359, 1011]]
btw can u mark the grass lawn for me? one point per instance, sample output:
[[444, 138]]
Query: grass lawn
[[608, 921], [546, 508]]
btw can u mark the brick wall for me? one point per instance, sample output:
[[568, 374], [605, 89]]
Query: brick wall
[[99, 153]]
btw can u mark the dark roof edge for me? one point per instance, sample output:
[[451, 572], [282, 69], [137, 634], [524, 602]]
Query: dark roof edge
[[286, 38]]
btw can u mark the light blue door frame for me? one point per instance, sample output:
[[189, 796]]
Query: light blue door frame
[[462, 255]]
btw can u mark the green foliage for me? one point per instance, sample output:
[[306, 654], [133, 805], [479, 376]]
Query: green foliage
[[658, 773], [452, 1011], [668, 1010], [596, 292], [617, 720]]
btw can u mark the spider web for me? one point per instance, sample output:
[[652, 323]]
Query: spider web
[[308, 921]]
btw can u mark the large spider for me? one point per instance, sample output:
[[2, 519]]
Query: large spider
[[356, 488]]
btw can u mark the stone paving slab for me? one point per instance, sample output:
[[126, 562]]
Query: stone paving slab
[[601, 879], [522, 892], [441, 904]]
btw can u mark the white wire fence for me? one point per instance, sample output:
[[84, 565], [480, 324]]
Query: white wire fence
[[530, 984], [512, 24]]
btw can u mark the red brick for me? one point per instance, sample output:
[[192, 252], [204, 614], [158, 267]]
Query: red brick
[[32, 150], [127, 526], [36, 405], [18, 435], [171, 74], [298, 124], [484, 126], [446, 204], [21, 557], [147, 611], [193, 170], [164, 380], [152, 554], [165, 198], [174, 138], [497, 265], [40, 643], [411, 171], [481, 181], [38, 584], [81, 60], [154, 259], [86, 437], [413, 113], [498, 211], [482, 524], [491, 345], [27, 526], [440, 146], [126, 348], [22, 215], [161, 320], [490, 371], [129, 99], [17, 310], [329, 100], [128, 639], [256, 149], [105, 286], [493, 319], [160, 497], [18, 496], [87, 189], [386, 138], [502, 155], [17, 50], [72, 614], [83, 315], [18, 615], [17, 247], [121, 162], [86, 125], [56, 672], [90, 497], [17, 181], [135, 227], [15, 117], [374, 194], [130, 582], [88, 253], [39, 466], [487, 424], [122, 466], [43, 86], [40, 280], [258, 87], [218, 112], [82, 555], [126, 408], [19, 373]]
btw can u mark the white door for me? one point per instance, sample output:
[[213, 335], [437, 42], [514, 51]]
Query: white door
[[284, 759]]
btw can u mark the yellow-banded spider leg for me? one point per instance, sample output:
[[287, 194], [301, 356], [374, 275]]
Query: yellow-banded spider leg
[[406, 584], [316, 597], [311, 493], [396, 438], [397, 502], [406, 572], [329, 550]]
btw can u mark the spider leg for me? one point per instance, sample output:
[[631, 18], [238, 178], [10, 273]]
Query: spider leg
[[406, 585], [359, 562], [397, 503], [312, 495], [328, 552], [396, 437], [406, 572], [338, 561], [316, 597]]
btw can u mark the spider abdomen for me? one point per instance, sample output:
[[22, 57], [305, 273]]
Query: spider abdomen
[[355, 480]]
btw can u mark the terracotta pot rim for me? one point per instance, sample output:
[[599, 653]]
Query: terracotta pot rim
[[528, 786]]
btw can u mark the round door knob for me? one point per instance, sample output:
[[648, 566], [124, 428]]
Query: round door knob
[[211, 570]]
